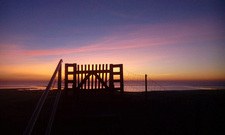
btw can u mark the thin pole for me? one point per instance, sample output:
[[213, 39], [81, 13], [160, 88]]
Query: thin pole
[[146, 90]]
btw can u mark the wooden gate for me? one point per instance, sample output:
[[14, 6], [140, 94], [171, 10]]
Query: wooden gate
[[93, 77]]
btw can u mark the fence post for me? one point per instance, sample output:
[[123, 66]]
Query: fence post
[[74, 77], [146, 89], [66, 79], [121, 78], [111, 77]]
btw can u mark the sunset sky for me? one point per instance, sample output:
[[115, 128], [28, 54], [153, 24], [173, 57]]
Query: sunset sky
[[168, 40]]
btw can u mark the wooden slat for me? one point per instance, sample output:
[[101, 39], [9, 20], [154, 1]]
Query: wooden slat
[[117, 80], [69, 72], [85, 71], [117, 88], [117, 65], [103, 65], [99, 75], [116, 73], [99, 71], [81, 76], [94, 90], [92, 77], [70, 64], [69, 81], [96, 67], [106, 67]]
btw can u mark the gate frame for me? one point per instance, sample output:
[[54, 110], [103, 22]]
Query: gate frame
[[80, 83]]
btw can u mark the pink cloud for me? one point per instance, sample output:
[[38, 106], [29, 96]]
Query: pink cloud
[[119, 45], [140, 36]]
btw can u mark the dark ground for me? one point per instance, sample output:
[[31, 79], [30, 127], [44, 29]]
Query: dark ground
[[170, 112]]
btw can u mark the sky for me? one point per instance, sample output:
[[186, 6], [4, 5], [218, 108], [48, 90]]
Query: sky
[[168, 40]]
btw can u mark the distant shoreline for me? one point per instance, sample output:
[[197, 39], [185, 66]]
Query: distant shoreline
[[129, 86]]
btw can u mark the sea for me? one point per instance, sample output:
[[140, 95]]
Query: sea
[[129, 86]]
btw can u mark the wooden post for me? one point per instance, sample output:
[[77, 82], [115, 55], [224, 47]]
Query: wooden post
[[66, 79], [74, 77], [106, 68], [111, 77], [146, 90], [121, 78]]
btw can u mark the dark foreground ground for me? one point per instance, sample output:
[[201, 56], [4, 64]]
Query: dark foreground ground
[[171, 112]]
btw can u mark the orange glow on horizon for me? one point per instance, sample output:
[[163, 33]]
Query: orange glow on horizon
[[44, 73]]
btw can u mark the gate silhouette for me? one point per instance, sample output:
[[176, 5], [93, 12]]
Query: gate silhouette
[[93, 77]]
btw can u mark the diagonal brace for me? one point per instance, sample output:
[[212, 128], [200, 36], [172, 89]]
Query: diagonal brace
[[100, 79], [84, 80]]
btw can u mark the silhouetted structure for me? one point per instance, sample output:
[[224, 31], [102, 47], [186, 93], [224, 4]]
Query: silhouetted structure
[[93, 77]]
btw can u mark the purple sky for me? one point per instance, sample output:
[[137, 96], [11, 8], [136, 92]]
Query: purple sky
[[165, 39]]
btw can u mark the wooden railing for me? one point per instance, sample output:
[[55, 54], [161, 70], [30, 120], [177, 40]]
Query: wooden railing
[[38, 108]]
